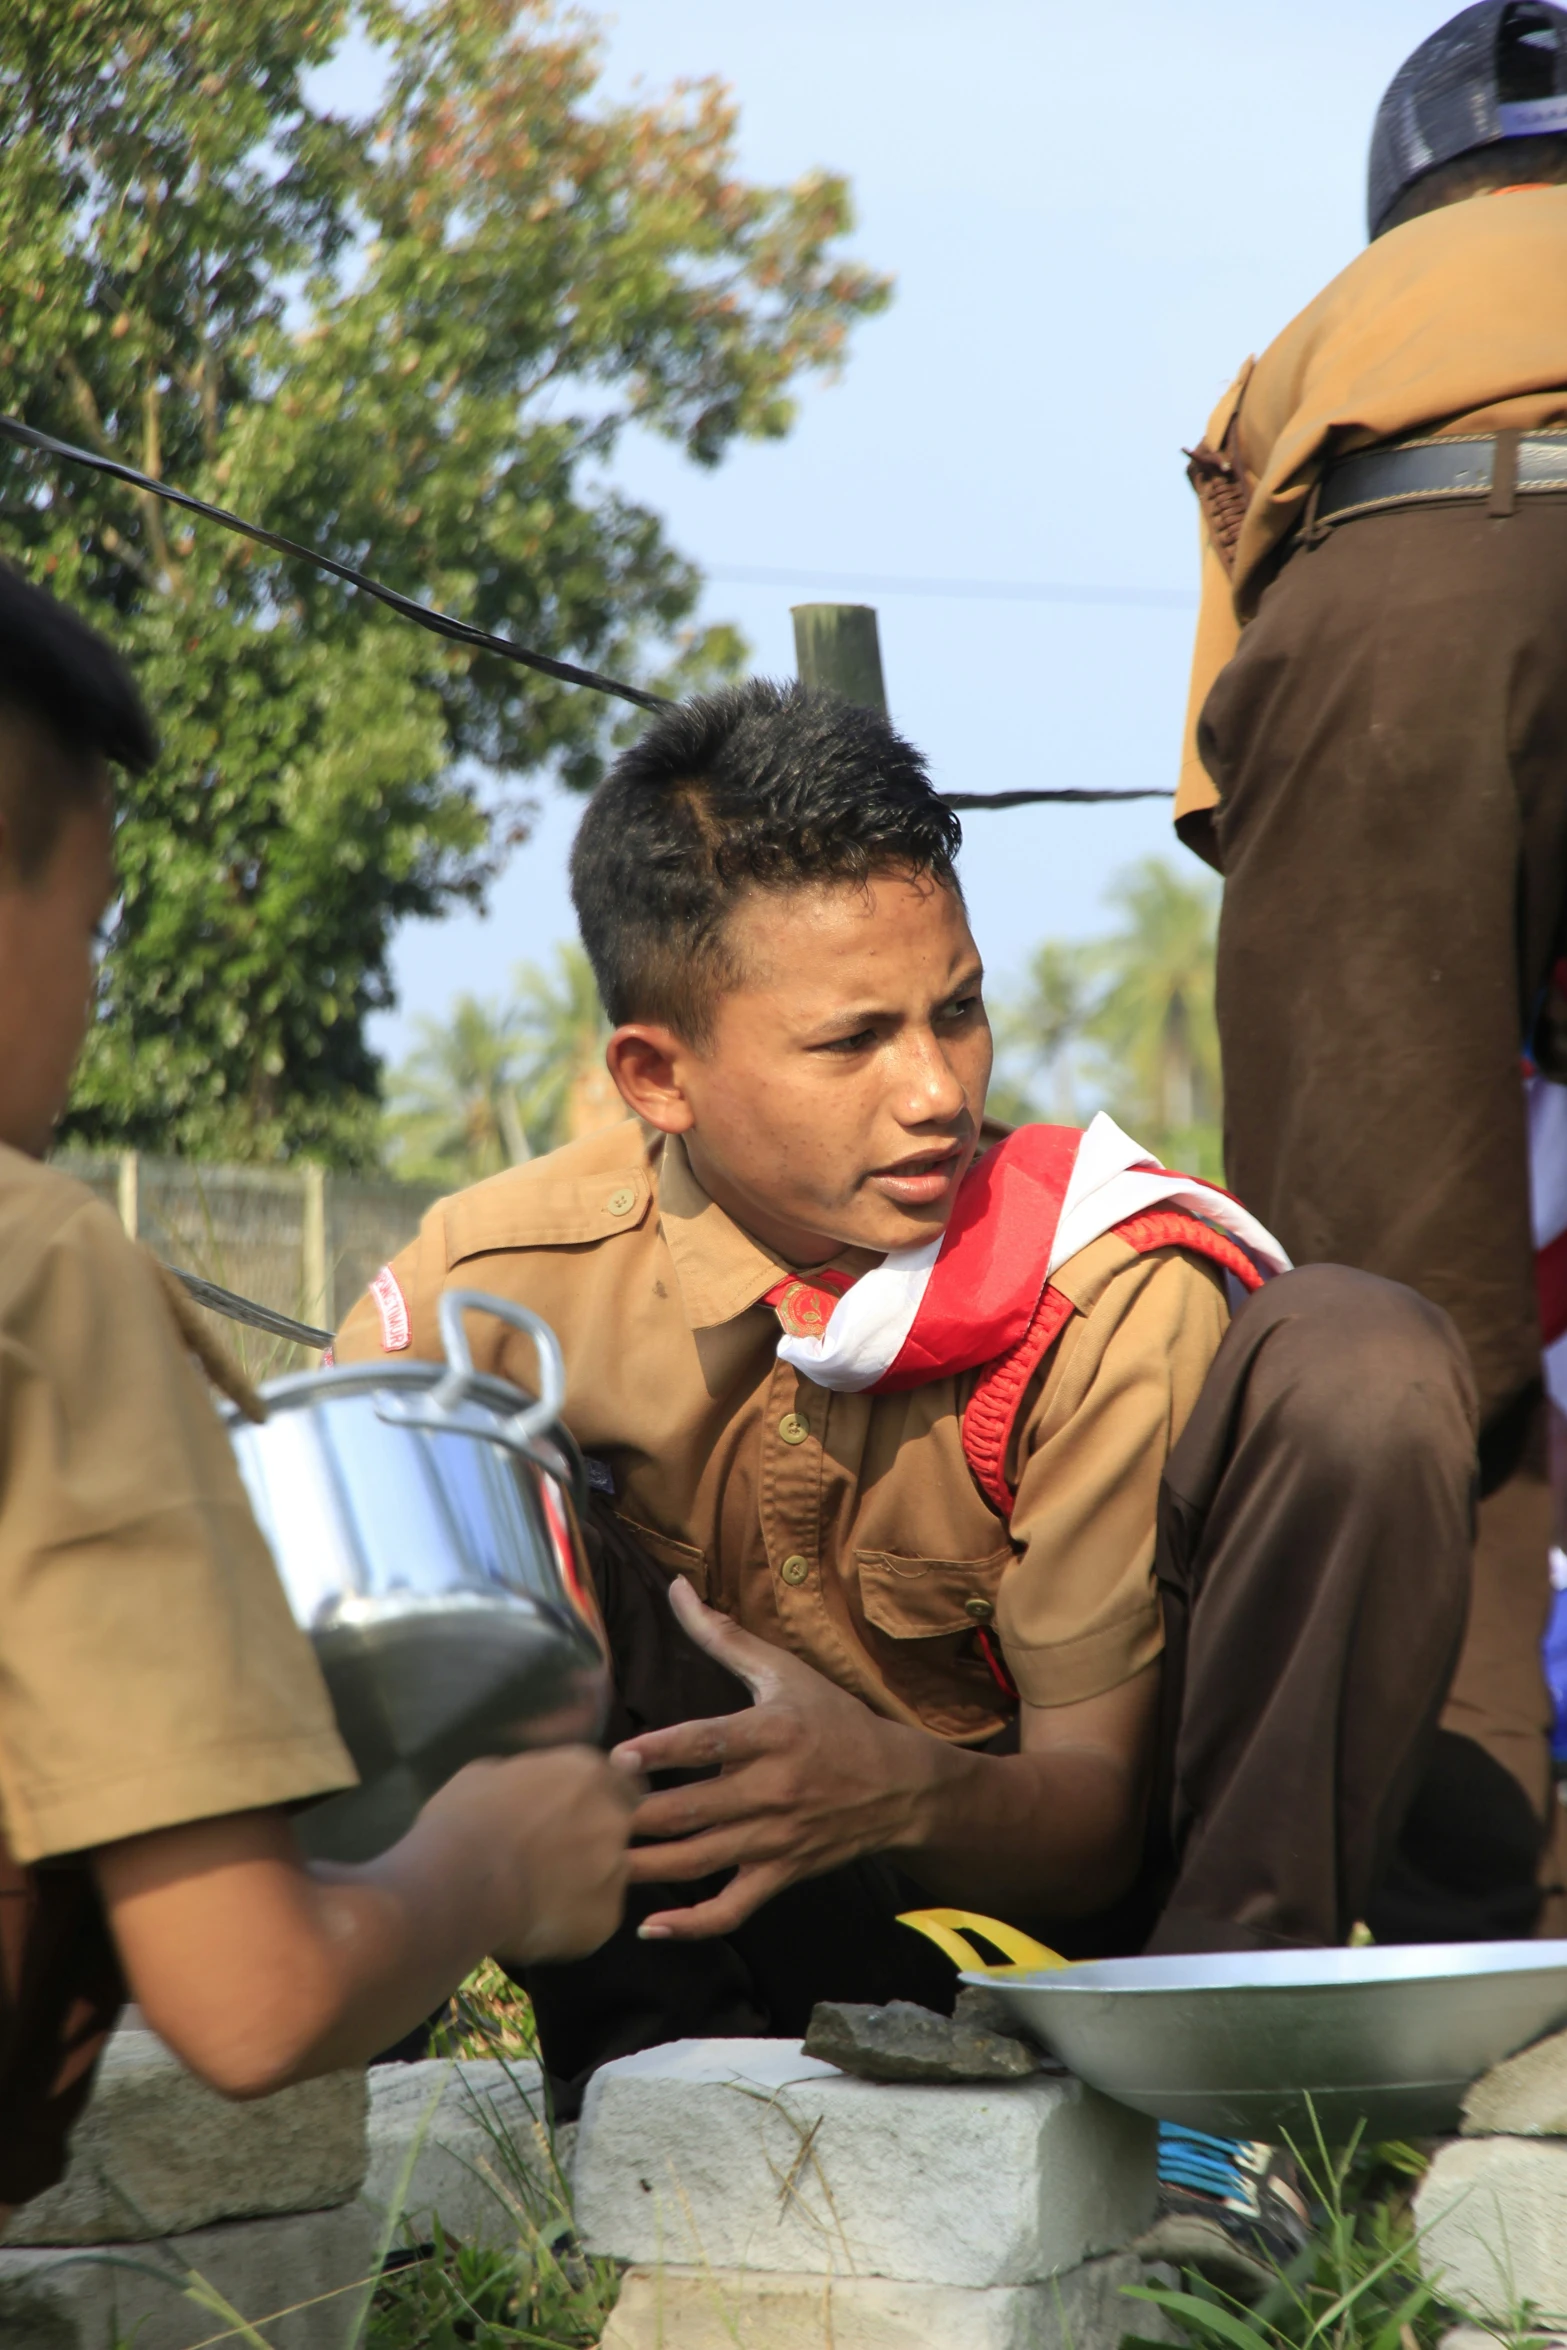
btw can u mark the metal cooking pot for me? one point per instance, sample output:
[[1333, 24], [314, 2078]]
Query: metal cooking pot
[[424, 1524], [1272, 2043], [1275, 2043]]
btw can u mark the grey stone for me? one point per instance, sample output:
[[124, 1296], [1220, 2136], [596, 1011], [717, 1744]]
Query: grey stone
[[1525, 2097], [902, 2042], [1492, 2216], [156, 2153], [315, 2266], [749, 2154], [465, 2141], [730, 2309], [986, 2011]]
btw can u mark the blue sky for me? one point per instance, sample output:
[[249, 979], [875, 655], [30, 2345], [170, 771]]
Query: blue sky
[[1092, 213]]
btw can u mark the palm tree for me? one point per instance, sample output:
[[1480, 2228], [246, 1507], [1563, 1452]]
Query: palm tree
[[1154, 1019], [1037, 1037], [560, 1029], [454, 1115], [1127, 1020], [494, 1084]]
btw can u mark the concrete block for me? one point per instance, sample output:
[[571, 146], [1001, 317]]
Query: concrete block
[[1476, 2338], [483, 2162], [726, 2309], [749, 2155], [313, 2266], [157, 2154], [1492, 2214], [1526, 2097]]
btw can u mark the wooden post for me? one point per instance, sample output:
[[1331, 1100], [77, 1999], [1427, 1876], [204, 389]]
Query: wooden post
[[130, 1193], [316, 1305], [837, 649]]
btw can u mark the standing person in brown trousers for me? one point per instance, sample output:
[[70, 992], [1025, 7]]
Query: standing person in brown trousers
[[1377, 763]]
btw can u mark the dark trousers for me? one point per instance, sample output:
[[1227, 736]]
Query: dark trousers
[[1313, 1562], [1391, 745]]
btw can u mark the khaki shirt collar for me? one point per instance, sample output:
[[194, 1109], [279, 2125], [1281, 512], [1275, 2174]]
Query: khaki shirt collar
[[721, 1270]]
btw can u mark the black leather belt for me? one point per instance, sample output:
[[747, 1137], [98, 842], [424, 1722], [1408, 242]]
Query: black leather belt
[[1431, 473]]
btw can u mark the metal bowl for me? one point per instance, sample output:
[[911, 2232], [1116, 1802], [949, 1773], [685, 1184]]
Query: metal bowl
[[1251, 2043], [422, 1519]]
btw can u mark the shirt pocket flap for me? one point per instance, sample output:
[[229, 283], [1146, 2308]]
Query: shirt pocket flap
[[481, 1222], [677, 1558], [915, 1598]]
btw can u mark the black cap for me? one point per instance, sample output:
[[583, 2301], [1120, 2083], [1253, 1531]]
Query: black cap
[[1495, 72]]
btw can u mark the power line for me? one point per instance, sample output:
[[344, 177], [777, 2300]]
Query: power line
[[460, 632], [1012, 591], [1028, 799], [463, 632]]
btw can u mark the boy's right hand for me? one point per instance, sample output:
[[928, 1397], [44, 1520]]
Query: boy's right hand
[[550, 1832]]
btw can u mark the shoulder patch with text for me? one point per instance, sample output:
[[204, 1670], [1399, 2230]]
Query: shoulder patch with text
[[392, 1306]]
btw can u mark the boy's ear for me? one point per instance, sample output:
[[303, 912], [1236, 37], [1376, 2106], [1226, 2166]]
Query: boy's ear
[[647, 1063]]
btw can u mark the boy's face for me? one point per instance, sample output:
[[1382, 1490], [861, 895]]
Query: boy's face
[[839, 1097], [48, 935]]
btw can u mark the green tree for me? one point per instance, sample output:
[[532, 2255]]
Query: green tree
[[414, 342], [1036, 1037], [1126, 1022], [454, 1115], [495, 1083], [561, 1029], [1152, 1021]]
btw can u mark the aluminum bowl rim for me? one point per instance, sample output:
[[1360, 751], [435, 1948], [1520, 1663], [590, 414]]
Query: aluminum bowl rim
[[1414, 1963]]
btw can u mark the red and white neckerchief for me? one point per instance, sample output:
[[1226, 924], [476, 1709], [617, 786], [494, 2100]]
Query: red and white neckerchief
[[969, 1295]]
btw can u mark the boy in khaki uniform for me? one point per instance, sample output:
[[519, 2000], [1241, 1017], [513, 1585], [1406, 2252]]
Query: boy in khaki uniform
[[159, 1710], [1376, 760], [1153, 1674]]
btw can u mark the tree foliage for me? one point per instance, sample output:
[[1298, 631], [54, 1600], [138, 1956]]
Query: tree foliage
[[495, 1083], [414, 342], [1126, 1022]]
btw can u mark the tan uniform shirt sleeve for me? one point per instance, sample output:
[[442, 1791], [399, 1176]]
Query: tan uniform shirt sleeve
[[1078, 1613], [150, 1670]]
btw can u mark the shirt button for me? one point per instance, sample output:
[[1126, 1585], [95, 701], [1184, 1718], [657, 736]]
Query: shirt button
[[793, 1429], [795, 1569], [979, 1611], [620, 1202]]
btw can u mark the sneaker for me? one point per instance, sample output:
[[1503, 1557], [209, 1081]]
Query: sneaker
[[1231, 2208]]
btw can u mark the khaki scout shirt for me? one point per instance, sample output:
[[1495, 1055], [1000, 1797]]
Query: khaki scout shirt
[[844, 1527], [150, 1671], [1454, 323]]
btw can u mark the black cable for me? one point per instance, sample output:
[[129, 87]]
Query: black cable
[[1026, 799], [461, 632]]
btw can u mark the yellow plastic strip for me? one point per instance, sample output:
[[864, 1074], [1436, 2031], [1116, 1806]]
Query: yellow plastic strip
[[947, 1927]]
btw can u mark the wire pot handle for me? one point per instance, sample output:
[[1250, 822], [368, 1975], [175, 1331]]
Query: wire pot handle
[[524, 1427], [444, 1410]]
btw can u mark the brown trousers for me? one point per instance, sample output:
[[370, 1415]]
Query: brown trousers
[[60, 1993], [1313, 1563], [1391, 745]]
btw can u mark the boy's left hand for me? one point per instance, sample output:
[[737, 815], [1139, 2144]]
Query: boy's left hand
[[809, 1778]]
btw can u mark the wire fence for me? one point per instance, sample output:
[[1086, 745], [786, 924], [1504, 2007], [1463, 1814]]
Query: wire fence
[[297, 1239]]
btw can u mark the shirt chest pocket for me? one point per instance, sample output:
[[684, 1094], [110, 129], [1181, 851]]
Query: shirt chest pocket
[[913, 1598], [677, 1558]]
